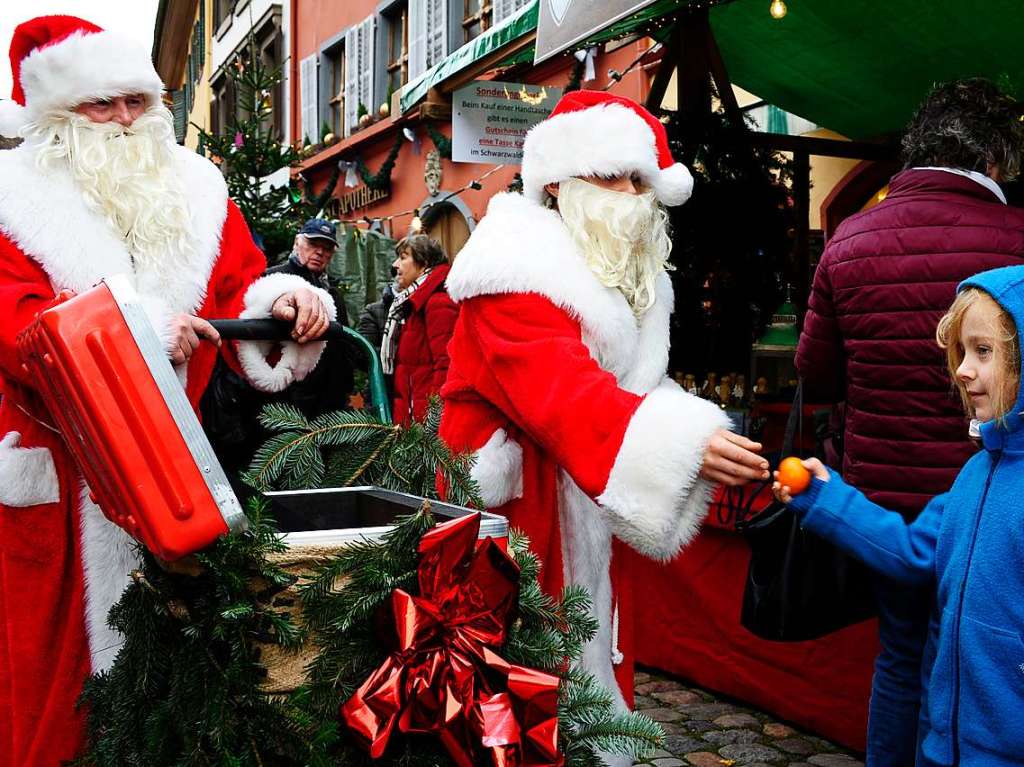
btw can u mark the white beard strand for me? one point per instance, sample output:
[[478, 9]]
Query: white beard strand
[[623, 237], [126, 175]]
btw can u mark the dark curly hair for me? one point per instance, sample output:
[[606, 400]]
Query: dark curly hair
[[425, 251], [968, 124]]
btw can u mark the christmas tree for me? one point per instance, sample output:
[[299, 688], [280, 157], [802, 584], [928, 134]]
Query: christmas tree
[[250, 149]]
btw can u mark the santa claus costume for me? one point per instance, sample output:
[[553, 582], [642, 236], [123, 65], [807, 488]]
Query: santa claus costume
[[560, 389], [62, 564]]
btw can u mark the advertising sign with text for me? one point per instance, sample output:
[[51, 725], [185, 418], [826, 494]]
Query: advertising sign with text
[[490, 119]]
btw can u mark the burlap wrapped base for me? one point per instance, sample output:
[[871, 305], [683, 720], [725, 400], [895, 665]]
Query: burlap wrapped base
[[286, 669]]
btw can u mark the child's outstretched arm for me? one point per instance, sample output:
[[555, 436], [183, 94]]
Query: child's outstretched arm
[[878, 537]]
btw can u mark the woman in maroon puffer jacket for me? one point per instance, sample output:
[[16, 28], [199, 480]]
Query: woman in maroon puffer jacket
[[418, 327]]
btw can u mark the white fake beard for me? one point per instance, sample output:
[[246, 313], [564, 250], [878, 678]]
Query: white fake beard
[[127, 175], [623, 237]]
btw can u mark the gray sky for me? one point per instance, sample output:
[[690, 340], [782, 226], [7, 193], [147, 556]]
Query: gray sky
[[130, 17]]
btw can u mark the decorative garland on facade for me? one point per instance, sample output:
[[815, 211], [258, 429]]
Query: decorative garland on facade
[[381, 180], [441, 141]]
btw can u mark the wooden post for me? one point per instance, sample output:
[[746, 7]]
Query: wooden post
[[693, 79], [802, 210]]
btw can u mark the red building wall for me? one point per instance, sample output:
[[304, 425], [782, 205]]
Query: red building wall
[[315, 21]]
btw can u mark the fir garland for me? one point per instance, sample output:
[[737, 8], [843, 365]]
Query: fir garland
[[441, 141], [381, 180], [185, 687]]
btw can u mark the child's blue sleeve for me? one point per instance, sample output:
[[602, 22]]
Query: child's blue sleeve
[[880, 538]]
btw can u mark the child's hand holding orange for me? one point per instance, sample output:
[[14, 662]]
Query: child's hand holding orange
[[794, 476]]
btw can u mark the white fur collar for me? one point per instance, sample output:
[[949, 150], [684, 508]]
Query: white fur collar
[[522, 247], [47, 217]]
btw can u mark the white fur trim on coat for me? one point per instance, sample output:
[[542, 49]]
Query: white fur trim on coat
[[586, 552], [12, 117], [28, 476], [498, 470], [25, 191], [604, 140], [297, 360], [109, 555], [654, 499], [522, 247], [87, 67]]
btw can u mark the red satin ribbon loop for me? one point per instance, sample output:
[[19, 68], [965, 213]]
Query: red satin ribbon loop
[[445, 676]]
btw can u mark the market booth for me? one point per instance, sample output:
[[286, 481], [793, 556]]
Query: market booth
[[856, 68]]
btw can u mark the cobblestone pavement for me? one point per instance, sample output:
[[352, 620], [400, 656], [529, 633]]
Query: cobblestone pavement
[[704, 731]]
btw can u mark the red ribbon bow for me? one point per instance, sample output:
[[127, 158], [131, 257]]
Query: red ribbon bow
[[445, 677]]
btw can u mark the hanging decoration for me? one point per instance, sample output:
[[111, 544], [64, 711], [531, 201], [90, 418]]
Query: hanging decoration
[[432, 172]]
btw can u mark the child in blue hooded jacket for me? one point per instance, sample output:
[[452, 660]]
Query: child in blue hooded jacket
[[969, 542]]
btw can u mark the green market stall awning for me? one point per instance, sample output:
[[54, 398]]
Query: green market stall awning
[[859, 67], [523, 23]]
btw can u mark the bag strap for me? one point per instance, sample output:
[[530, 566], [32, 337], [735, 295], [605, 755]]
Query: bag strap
[[795, 422]]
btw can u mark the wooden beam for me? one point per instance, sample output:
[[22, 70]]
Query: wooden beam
[[663, 76], [173, 36], [722, 82], [473, 72], [693, 79], [824, 147], [802, 210]]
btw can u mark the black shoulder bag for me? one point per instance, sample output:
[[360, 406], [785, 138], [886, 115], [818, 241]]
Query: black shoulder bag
[[799, 586]]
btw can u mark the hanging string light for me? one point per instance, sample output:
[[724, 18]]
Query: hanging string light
[[778, 9]]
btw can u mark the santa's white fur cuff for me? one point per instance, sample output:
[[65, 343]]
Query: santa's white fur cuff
[[654, 499], [498, 470], [297, 360]]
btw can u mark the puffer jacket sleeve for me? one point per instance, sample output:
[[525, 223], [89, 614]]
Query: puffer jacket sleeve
[[441, 313], [820, 359]]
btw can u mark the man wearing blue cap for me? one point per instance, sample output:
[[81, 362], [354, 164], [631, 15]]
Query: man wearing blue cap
[[311, 254]]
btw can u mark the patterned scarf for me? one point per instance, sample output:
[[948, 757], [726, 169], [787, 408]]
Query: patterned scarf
[[396, 318]]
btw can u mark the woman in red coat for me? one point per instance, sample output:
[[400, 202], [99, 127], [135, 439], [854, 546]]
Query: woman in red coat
[[419, 325]]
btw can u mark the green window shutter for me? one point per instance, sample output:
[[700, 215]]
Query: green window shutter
[[180, 111]]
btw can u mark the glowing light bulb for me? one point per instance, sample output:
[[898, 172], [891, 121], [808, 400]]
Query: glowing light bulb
[[778, 9], [417, 224]]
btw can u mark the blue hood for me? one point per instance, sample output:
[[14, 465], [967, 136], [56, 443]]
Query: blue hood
[[1006, 286]]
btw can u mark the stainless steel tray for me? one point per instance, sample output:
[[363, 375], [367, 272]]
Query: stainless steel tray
[[333, 516]]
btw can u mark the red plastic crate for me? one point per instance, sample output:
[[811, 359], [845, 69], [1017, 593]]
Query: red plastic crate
[[108, 384]]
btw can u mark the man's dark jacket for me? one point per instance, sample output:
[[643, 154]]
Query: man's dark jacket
[[886, 277], [230, 406]]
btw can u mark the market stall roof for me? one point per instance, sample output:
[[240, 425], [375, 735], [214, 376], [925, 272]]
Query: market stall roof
[[858, 67], [861, 67]]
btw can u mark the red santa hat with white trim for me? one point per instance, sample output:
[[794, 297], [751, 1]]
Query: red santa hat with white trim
[[593, 133], [59, 62]]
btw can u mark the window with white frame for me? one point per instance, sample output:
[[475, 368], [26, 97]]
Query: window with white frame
[[428, 34]]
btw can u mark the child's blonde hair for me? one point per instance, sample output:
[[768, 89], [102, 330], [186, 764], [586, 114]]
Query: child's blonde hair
[[1006, 352]]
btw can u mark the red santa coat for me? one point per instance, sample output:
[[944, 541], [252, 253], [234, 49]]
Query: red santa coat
[[62, 564], [580, 438]]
